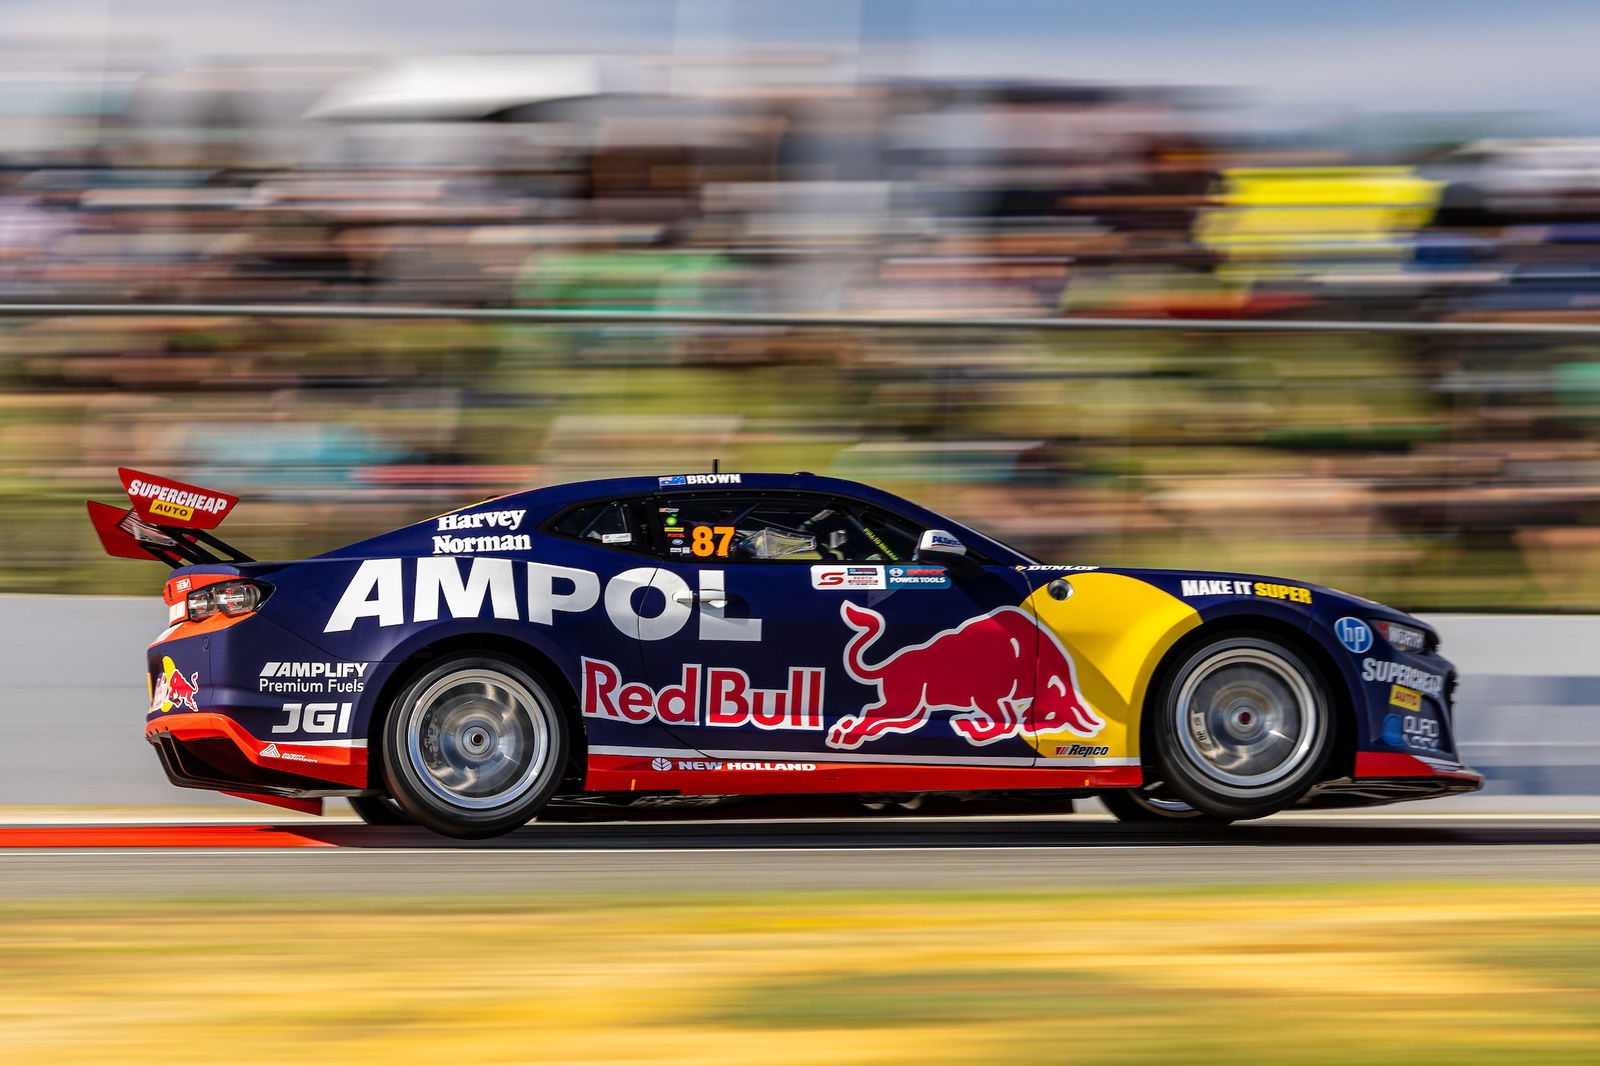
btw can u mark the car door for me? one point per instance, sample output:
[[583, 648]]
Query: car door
[[820, 636]]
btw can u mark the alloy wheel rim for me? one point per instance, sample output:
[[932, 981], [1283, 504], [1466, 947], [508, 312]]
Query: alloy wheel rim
[[478, 738], [1247, 719]]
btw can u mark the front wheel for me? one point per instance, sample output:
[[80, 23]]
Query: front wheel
[[474, 746], [1243, 726], [1140, 806]]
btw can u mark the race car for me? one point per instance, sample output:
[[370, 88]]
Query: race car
[[741, 634]]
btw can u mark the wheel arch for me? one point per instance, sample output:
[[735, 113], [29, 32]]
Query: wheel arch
[[531, 657], [1343, 701]]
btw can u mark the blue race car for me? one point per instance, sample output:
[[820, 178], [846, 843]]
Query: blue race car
[[760, 634]]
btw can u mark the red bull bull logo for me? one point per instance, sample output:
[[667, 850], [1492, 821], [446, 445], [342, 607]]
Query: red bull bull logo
[[999, 673], [173, 690]]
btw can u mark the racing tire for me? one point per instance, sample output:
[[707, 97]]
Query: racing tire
[[379, 810], [1137, 806], [1242, 726], [474, 746]]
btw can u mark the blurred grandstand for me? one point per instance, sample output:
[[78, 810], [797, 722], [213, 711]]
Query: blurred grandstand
[[1435, 472]]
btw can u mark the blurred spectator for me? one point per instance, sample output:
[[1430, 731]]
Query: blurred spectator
[[1433, 471]]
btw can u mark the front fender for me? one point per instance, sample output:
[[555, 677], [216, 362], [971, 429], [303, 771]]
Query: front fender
[[1115, 629]]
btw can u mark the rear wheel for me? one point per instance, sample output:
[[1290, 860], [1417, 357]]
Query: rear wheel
[[379, 810], [474, 746], [1243, 726]]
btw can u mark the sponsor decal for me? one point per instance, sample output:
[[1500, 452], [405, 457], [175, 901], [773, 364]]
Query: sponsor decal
[[848, 577], [917, 577], [169, 501], [449, 587], [1409, 698], [512, 519], [986, 670], [312, 677], [713, 696], [879, 577], [181, 585], [517, 542], [697, 479], [1412, 731], [1060, 569], [1354, 634], [705, 764], [1234, 587], [479, 519], [1387, 672], [1083, 750], [616, 538], [315, 718], [173, 690], [1402, 637], [271, 752]]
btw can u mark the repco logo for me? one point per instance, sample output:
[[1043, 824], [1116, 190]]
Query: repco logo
[[392, 592]]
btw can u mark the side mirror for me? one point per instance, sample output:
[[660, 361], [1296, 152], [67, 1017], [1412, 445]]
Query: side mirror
[[943, 549]]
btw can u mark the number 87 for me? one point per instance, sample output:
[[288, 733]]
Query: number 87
[[703, 540]]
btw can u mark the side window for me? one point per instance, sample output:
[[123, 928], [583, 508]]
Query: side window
[[616, 523], [786, 529]]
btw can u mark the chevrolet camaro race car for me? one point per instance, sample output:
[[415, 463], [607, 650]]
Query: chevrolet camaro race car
[[760, 634]]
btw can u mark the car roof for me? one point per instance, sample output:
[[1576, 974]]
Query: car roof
[[573, 492], [547, 500]]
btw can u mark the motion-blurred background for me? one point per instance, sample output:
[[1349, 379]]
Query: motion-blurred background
[[1358, 162], [1239, 161]]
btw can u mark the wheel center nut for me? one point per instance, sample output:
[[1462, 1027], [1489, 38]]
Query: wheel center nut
[[1244, 722], [476, 742]]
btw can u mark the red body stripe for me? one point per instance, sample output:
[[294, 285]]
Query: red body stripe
[[1395, 764], [155, 836], [637, 773]]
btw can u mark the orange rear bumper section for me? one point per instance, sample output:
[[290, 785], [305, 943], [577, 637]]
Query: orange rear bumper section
[[341, 765]]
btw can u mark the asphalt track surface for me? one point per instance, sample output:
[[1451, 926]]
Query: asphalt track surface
[[905, 854]]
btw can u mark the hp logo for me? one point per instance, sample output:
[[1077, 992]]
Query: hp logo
[[1354, 634]]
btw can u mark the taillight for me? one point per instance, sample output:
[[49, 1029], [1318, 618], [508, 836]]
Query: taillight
[[231, 598]]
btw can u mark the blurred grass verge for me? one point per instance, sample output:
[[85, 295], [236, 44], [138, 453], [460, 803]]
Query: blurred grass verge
[[1413, 974]]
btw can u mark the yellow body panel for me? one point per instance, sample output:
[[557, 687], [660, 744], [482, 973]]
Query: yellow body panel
[[1116, 628]]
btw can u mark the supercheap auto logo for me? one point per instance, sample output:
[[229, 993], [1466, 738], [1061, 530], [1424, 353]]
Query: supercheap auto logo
[[173, 689], [170, 502]]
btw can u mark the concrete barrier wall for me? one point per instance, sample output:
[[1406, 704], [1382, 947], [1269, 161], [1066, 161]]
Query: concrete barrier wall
[[1528, 708]]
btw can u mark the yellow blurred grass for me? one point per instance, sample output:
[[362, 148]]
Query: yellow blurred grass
[[1375, 974]]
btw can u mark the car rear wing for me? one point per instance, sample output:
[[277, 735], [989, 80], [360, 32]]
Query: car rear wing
[[169, 520]]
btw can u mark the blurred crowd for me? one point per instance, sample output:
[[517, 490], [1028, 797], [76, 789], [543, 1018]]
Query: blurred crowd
[[1436, 471]]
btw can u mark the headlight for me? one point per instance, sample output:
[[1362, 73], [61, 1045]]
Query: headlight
[[231, 598], [1402, 638]]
